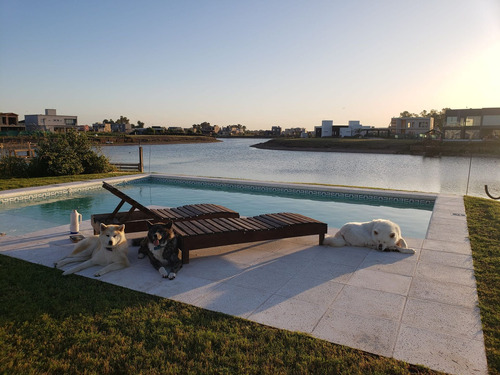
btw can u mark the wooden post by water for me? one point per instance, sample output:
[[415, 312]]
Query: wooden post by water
[[141, 163]]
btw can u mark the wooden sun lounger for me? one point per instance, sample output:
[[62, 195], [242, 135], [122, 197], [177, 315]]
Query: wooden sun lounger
[[200, 234], [136, 219]]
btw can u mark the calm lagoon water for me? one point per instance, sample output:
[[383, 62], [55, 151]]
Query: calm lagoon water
[[234, 158]]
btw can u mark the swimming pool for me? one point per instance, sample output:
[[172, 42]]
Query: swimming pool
[[332, 206]]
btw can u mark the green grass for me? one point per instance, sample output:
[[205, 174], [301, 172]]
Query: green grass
[[483, 217], [16, 183]]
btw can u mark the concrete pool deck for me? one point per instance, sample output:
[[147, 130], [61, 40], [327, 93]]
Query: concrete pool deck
[[421, 308]]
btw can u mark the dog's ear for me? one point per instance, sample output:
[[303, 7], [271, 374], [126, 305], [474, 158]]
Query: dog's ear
[[121, 228], [169, 225], [150, 224], [103, 227]]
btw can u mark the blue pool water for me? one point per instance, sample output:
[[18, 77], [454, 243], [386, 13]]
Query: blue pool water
[[21, 218]]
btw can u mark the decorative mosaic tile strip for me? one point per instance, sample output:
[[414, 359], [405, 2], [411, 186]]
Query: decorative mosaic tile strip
[[335, 195], [62, 191], [46, 194]]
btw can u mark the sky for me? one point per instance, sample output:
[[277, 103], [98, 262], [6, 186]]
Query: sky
[[259, 63]]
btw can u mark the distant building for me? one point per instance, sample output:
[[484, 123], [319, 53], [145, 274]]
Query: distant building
[[9, 123], [121, 128], [411, 126], [327, 129], [83, 128], [276, 131], [51, 122], [293, 132], [354, 129], [100, 127], [482, 123]]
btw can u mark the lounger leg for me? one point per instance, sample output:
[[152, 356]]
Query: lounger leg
[[185, 256], [321, 238]]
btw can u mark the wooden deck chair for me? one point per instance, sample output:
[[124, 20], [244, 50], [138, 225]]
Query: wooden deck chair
[[199, 234], [136, 219]]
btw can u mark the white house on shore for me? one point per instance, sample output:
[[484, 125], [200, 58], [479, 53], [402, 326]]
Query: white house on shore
[[327, 129], [51, 122]]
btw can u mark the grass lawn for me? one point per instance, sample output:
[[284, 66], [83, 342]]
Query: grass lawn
[[17, 183], [79, 325], [483, 218]]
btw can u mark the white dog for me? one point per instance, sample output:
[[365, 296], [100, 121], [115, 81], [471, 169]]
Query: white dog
[[109, 249], [383, 235]]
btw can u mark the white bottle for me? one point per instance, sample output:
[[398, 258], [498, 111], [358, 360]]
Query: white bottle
[[76, 219]]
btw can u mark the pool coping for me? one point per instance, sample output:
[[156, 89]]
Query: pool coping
[[433, 325]]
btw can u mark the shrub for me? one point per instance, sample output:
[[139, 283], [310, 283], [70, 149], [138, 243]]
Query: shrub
[[68, 154], [11, 166]]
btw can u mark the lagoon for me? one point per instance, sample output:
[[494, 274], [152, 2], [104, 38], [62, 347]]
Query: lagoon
[[234, 158]]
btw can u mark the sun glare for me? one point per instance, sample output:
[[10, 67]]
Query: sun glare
[[477, 83]]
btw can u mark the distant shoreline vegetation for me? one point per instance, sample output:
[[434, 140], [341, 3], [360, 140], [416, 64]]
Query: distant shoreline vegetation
[[385, 146]]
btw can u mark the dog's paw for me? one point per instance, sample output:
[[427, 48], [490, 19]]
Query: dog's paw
[[141, 255], [172, 275], [406, 250], [163, 272]]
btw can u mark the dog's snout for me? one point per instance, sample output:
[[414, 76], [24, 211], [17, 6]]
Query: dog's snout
[[380, 246]]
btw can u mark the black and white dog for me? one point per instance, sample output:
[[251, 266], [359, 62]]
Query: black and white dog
[[160, 246]]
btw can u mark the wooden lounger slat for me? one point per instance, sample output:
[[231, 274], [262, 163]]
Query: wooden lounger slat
[[301, 217], [202, 225], [209, 224], [165, 213], [259, 224], [196, 227], [218, 207], [239, 224], [216, 225], [186, 228], [198, 234], [244, 224], [203, 208], [284, 219], [192, 211], [228, 226], [269, 221]]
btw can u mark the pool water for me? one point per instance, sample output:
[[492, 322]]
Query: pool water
[[21, 218]]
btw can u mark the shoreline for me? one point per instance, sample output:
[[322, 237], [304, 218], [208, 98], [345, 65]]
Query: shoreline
[[262, 146], [435, 150]]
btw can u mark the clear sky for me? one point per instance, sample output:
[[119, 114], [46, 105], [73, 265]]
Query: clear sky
[[258, 63]]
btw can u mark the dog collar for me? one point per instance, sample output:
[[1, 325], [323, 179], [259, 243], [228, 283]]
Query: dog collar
[[157, 247]]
